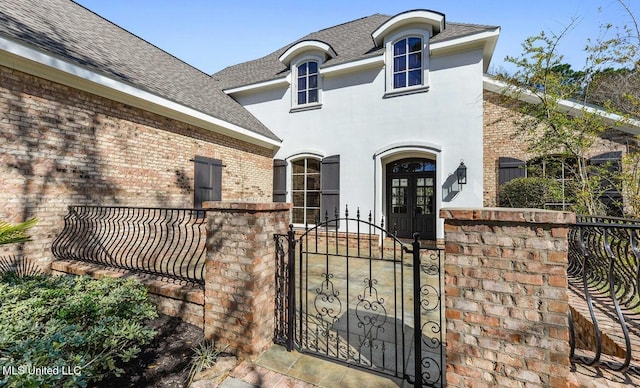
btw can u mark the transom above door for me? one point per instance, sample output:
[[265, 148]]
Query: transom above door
[[411, 198]]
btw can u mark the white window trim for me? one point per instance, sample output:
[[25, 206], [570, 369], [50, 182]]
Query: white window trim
[[388, 44], [295, 107]]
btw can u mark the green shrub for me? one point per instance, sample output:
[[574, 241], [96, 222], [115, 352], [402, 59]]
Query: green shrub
[[530, 192], [69, 331]]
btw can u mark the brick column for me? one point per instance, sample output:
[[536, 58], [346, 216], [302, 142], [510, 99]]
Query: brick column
[[240, 274], [506, 297]]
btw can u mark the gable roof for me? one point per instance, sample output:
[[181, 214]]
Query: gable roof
[[351, 41], [75, 34]]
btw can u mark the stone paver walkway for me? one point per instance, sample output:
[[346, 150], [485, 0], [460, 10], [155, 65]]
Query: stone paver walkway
[[278, 368]]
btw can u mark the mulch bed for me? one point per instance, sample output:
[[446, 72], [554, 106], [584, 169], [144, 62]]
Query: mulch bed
[[165, 361]]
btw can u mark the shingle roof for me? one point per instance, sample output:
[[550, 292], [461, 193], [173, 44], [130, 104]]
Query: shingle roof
[[72, 32], [352, 41]]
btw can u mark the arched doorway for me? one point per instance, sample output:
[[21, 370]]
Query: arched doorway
[[411, 197]]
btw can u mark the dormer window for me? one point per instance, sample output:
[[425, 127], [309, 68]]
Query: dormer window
[[407, 62], [307, 83], [305, 58], [406, 41]]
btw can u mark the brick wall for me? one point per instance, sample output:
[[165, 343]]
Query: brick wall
[[506, 300], [500, 128], [60, 146], [240, 274]]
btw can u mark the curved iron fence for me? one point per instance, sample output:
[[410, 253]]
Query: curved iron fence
[[165, 242], [604, 260]]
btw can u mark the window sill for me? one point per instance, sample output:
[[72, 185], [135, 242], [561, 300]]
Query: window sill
[[406, 91], [302, 108]]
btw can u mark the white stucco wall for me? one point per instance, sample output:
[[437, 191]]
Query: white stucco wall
[[368, 130]]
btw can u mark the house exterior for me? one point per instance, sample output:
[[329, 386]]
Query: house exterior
[[378, 114], [90, 114]]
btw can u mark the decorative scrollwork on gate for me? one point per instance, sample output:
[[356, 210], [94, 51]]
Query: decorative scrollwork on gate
[[327, 302], [371, 315]]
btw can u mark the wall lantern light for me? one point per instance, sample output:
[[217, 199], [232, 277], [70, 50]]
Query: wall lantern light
[[461, 173]]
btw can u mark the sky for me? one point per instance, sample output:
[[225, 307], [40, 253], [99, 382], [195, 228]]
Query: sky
[[213, 34]]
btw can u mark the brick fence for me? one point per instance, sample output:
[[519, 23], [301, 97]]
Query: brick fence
[[240, 274], [506, 301]]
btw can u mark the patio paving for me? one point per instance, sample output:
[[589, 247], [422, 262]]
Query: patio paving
[[278, 368]]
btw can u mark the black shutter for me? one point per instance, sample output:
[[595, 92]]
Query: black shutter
[[510, 168], [611, 196], [279, 180], [207, 180], [330, 186]]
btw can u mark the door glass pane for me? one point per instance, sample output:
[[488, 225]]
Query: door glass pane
[[398, 200], [404, 182], [424, 196]]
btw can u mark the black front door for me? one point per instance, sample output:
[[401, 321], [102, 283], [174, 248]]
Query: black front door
[[411, 200]]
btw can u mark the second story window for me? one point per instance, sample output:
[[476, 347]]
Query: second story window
[[407, 63], [307, 83]]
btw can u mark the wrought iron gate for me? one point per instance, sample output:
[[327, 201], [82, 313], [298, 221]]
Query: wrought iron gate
[[355, 296]]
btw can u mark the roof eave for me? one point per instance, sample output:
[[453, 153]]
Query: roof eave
[[573, 108], [485, 39], [327, 71], [24, 58]]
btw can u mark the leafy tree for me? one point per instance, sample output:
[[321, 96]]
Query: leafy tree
[[542, 78], [617, 87]]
